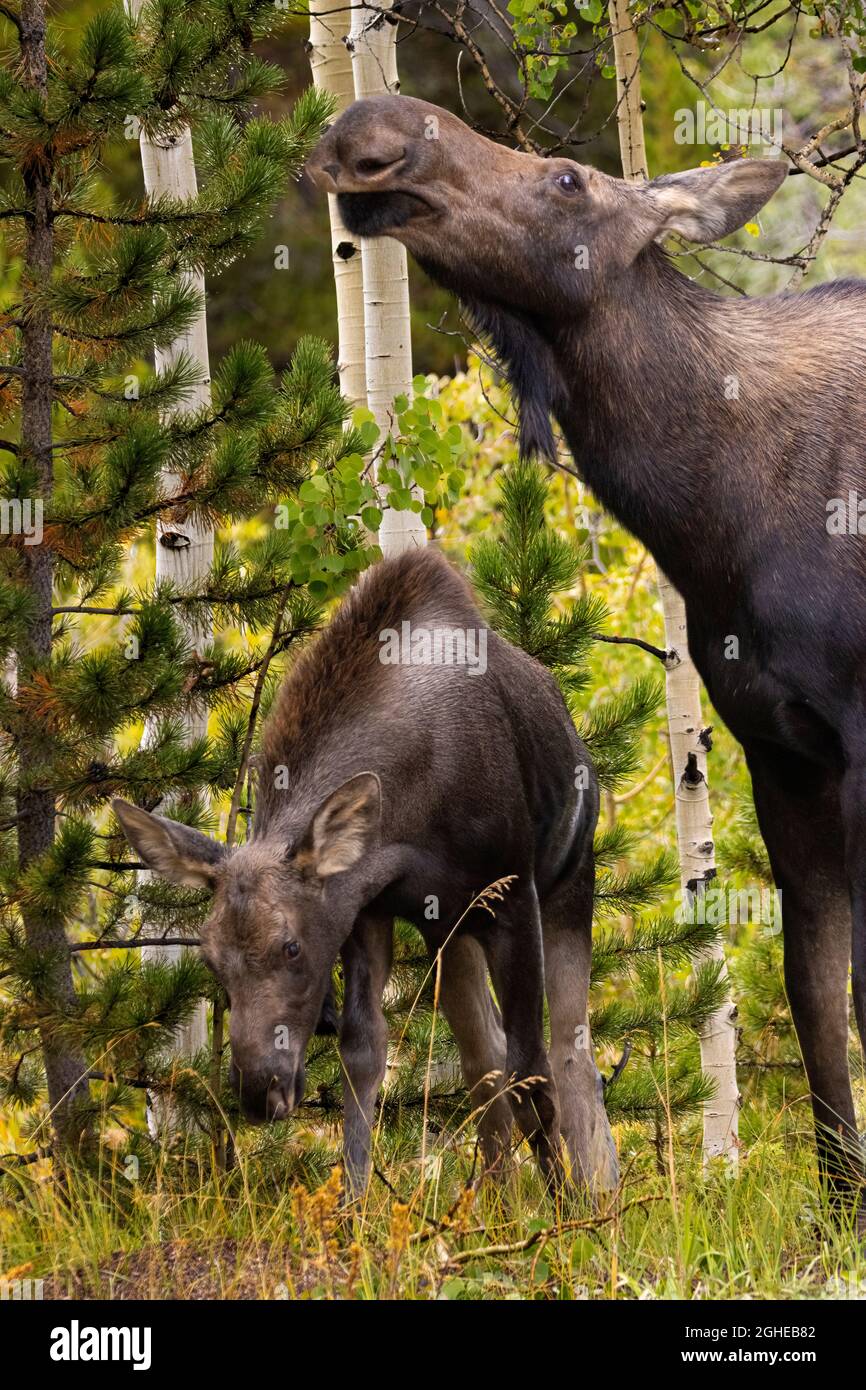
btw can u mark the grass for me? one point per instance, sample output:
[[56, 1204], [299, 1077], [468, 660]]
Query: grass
[[275, 1227]]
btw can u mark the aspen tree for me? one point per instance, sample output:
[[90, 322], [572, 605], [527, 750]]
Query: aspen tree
[[184, 550], [331, 64], [388, 342], [694, 821]]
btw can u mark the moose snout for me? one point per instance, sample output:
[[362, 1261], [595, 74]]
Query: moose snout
[[268, 1093], [345, 162]]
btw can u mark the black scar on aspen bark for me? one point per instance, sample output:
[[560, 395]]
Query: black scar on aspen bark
[[692, 776]]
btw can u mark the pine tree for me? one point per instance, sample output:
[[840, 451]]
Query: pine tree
[[98, 434], [105, 446], [638, 1010]]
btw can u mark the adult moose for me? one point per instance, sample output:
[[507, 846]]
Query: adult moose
[[382, 789], [719, 431]]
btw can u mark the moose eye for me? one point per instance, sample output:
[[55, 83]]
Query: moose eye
[[568, 183], [291, 950]]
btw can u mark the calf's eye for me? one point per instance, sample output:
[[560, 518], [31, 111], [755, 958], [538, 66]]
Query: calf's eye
[[292, 949], [568, 183]]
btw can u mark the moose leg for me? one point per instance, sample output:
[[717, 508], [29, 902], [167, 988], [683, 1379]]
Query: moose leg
[[363, 1039], [800, 818], [567, 919], [514, 953], [474, 1020], [854, 816]]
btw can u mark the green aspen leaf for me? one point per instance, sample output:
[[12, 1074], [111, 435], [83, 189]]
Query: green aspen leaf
[[346, 467], [372, 518], [426, 477], [419, 384], [427, 516]]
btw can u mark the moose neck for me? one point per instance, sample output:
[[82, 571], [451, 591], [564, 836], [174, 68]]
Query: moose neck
[[651, 411]]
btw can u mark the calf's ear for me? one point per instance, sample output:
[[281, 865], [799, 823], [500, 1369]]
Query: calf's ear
[[176, 852], [707, 204], [343, 828]]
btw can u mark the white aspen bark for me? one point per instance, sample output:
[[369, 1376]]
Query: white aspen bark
[[184, 551], [694, 821], [388, 342], [331, 64]]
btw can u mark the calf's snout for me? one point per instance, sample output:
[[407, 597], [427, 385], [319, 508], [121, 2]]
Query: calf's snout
[[268, 1093]]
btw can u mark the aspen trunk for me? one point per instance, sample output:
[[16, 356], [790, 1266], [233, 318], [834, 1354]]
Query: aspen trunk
[[694, 820], [184, 551], [331, 64], [388, 343]]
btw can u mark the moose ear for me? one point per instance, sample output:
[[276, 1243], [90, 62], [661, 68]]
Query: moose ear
[[707, 204], [342, 829], [176, 852]]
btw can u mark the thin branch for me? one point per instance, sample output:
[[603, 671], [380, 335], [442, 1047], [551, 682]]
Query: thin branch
[[663, 656], [134, 943]]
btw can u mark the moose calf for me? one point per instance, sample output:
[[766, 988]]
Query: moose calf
[[384, 787]]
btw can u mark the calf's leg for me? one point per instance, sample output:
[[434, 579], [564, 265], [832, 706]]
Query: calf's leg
[[800, 817], [474, 1020], [513, 946], [567, 919], [363, 1040]]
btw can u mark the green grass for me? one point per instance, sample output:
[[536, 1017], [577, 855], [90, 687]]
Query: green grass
[[274, 1227]]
